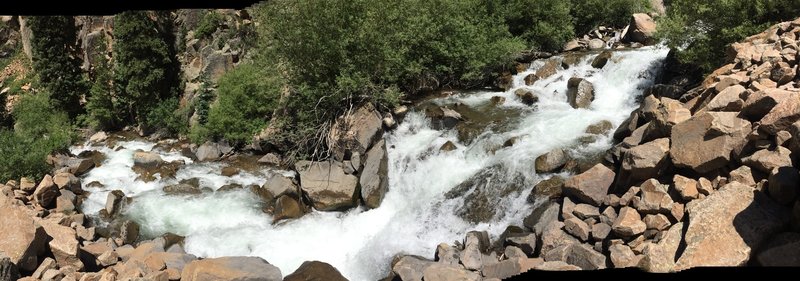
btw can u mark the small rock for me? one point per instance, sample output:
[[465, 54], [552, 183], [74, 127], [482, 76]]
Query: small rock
[[600, 231], [622, 256], [448, 146], [629, 223], [686, 187], [577, 228]]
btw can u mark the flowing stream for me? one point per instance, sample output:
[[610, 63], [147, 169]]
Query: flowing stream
[[420, 210]]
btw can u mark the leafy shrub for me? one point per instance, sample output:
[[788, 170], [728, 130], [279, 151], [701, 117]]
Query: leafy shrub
[[246, 98], [208, 24], [40, 129], [168, 115], [589, 14], [544, 24], [701, 30], [102, 112]]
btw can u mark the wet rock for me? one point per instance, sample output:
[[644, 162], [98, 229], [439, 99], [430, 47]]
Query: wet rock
[[147, 159], [686, 187], [622, 256], [646, 160], [64, 244], [766, 160], [725, 227], [315, 270], [628, 223], [23, 239], [443, 117], [550, 188], [278, 185], [591, 186], [129, 232], [410, 268], [327, 185], [229, 171], [46, 192], [357, 130], [600, 128], [181, 189], [475, 245], [784, 185], [113, 201], [448, 146], [660, 257], [526, 96], [231, 268], [444, 272], [600, 60], [498, 100], [288, 207], [706, 141], [551, 161], [580, 92], [449, 255]]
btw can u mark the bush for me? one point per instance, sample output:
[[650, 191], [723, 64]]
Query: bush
[[341, 52], [701, 30], [102, 112], [56, 61], [40, 129], [208, 24], [169, 116], [544, 24], [246, 99], [589, 14]]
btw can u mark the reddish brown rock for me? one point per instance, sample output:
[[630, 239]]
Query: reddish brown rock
[[22, 238], [591, 186], [706, 141], [231, 268], [686, 187], [782, 115], [628, 223]]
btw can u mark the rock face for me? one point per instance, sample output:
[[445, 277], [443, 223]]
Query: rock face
[[327, 185], [580, 93], [705, 142], [315, 270], [354, 132], [726, 226], [590, 187], [231, 268], [23, 239], [641, 29], [375, 176]]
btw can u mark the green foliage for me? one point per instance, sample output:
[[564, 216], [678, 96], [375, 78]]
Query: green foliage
[[208, 24], [101, 110], [339, 52], [40, 129], [701, 30], [247, 96], [168, 115], [144, 71], [56, 61], [205, 97], [589, 14], [544, 24]]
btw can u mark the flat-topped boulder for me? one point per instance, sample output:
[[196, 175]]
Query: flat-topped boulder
[[327, 185]]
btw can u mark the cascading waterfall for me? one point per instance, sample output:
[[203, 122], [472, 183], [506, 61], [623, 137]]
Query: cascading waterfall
[[419, 211]]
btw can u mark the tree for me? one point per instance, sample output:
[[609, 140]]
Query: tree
[[544, 24], [701, 30], [144, 65], [55, 59]]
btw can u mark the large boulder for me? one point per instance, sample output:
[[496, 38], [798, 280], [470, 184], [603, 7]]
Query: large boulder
[[231, 268], [706, 141], [762, 102], [315, 270], [64, 244], [208, 151], [580, 92], [551, 161], [728, 100], [327, 185], [766, 160], [784, 185], [728, 225], [22, 238], [660, 257], [147, 159], [288, 207], [641, 29], [46, 192], [354, 132], [646, 160], [278, 185], [590, 187], [782, 115], [447, 272], [375, 175], [410, 268]]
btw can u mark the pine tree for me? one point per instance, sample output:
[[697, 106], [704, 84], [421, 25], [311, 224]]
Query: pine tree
[[143, 65], [55, 59]]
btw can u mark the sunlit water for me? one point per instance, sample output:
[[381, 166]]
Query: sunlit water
[[415, 216]]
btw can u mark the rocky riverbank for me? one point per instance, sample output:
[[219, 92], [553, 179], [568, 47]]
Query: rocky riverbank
[[705, 177]]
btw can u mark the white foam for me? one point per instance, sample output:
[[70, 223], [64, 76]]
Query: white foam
[[414, 216]]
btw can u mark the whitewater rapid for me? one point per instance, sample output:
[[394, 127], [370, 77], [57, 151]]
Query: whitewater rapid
[[415, 216]]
